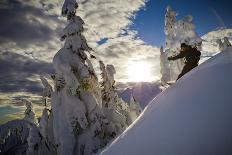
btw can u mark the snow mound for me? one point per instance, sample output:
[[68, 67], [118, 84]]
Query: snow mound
[[191, 117]]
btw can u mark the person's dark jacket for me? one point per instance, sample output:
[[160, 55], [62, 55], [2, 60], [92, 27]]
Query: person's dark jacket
[[191, 55]]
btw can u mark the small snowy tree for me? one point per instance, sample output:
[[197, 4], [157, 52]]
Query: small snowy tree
[[43, 123], [37, 144], [112, 104], [177, 32], [220, 44], [226, 42], [47, 90], [164, 67], [223, 44], [135, 109], [29, 112], [34, 140]]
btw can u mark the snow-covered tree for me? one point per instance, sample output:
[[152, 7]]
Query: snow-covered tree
[[112, 105], [164, 67], [177, 32], [47, 90], [37, 144], [43, 123], [223, 44], [36, 140], [29, 112], [78, 121], [135, 109], [226, 42], [220, 44]]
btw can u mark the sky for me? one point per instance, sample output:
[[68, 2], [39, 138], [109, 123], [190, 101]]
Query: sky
[[125, 33], [208, 15]]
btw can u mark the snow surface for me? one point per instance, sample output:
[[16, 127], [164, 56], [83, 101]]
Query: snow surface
[[192, 116]]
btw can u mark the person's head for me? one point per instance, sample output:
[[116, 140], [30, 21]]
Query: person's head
[[183, 46]]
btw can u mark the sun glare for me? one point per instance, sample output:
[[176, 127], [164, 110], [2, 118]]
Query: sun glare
[[139, 71]]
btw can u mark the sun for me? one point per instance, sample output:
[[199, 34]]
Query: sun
[[139, 71]]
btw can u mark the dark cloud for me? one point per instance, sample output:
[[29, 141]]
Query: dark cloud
[[23, 24], [17, 73]]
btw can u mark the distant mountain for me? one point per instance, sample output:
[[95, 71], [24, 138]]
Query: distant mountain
[[143, 92], [209, 44], [13, 137], [193, 116]]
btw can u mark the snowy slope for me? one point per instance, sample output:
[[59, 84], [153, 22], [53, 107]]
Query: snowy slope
[[191, 117], [143, 93]]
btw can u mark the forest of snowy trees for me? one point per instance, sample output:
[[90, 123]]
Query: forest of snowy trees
[[85, 114]]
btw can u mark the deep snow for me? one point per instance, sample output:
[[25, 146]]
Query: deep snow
[[193, 116]]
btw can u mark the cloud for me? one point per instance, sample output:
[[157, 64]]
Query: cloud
[[30, 31], [108, 18], [123, 49], [20, 74]]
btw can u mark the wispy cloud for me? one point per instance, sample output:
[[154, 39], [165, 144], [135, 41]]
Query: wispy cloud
[[31, 29]]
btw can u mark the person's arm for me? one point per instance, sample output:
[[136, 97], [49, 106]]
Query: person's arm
[[180, 55]]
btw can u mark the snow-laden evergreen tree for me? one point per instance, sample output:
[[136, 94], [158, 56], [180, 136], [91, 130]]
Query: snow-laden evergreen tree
[[223, 44], [227, 42], [112, 106], [47, 90], [14, 134], [43, 123], [135, 109], [164, 67], [220, 44], [38, 144], [37, 140], [46, 120], [29, 112], [78, 121], [177, 32]]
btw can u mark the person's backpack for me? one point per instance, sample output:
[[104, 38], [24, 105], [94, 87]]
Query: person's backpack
[[193, 56]]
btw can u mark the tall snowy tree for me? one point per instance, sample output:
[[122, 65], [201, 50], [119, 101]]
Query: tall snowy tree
[[177, 32], [78, 122]]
